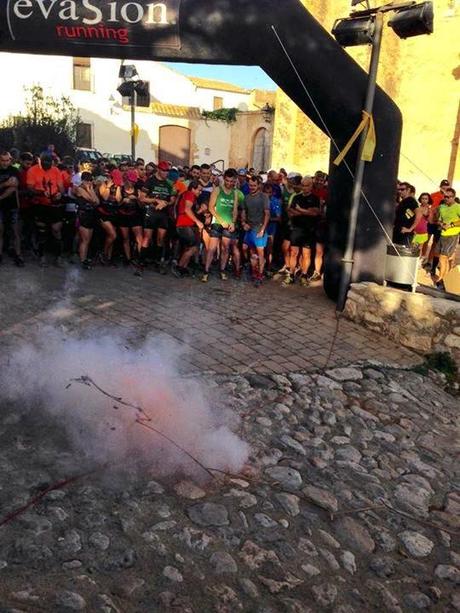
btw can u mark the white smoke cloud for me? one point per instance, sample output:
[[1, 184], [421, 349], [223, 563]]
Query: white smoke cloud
[[103, 431]]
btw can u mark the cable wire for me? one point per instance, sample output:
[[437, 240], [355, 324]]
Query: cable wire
[[418, 168]]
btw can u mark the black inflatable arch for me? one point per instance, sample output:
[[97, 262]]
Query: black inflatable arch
[[248, 33]]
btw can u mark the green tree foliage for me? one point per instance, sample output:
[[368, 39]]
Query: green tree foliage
[[228, 115], [45, 120]]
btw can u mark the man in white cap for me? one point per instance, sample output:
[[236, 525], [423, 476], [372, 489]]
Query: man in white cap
[[243, 184]]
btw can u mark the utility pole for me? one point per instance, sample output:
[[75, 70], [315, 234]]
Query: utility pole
[[347, 259], [133, 123]]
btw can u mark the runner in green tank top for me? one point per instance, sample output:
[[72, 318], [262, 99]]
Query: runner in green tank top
[[223, 206]]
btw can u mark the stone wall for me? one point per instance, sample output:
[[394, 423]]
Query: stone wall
[[420, 322]]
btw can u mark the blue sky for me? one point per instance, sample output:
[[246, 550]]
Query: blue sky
[[249, 77]]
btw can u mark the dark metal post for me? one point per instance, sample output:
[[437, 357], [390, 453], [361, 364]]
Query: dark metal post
[[133, 123], [359, 171]]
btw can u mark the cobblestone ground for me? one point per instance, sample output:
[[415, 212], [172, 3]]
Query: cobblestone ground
[[350, 499], [225, 327]]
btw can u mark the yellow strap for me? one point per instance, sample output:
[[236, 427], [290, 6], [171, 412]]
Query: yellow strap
[[369, 145], [135, 132]]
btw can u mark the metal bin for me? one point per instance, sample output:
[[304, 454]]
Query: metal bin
[[401, 265]]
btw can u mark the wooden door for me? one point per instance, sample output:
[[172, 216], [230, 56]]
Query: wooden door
[[261, 150], [174, 145]]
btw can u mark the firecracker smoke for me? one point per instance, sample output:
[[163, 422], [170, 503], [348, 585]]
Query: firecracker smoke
[[48, 377]]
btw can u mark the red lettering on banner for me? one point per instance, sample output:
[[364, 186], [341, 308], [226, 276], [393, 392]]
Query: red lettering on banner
[[121, 35]]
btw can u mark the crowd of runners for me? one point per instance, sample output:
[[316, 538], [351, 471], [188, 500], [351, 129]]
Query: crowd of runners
[[193, 220], [188, 220]]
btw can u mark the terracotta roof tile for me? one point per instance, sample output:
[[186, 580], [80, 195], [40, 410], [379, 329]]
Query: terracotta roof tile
[[172, 110], [220, 85]]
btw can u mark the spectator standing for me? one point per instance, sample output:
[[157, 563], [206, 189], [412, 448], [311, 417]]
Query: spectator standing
[[407, 216], [421, 237], [449, 220], [9, 205], [438, 197]]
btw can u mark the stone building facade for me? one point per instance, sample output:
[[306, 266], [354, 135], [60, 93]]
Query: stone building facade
[[171, 127], [421, 74]]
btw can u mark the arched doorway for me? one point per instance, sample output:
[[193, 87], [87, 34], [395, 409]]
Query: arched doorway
[[261, 150], [174, 145]]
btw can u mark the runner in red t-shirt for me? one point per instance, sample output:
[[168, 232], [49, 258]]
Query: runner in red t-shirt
[[438, 197], [188, 227], [66, 175], [44, 181]]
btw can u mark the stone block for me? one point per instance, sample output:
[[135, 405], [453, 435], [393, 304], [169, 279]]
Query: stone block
[[351, 309], [376, 293], [391, 302], [443, 307], [357, 297], [452, 340], [393, 331], [372, 319], [418, 342]]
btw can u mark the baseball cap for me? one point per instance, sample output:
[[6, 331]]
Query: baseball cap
[[163, 165], [444, 182], [293, 175], [242, 171]]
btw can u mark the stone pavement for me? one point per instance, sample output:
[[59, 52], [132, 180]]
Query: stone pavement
[[225, 327], [234, 489], [349, 501]]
